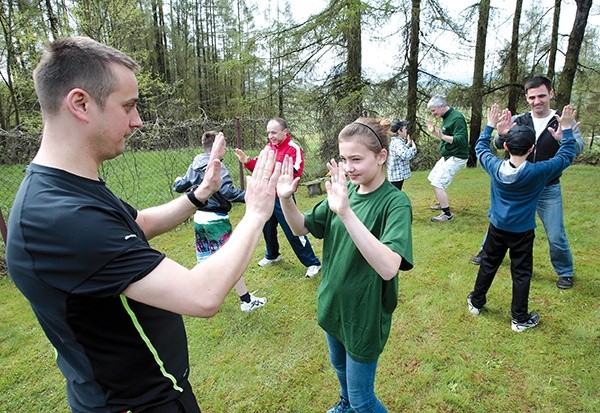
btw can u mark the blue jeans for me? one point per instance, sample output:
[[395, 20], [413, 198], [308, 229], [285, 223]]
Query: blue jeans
[[300, 245], [550, 211], [357, 380]]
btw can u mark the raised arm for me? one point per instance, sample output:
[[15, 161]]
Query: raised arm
[[286, 186], [566, 153], [159, 219], [501, 120], [201, 290], [248, 163], [379, 256]]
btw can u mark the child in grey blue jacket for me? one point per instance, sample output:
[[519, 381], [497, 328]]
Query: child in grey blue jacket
[[212, 227], [516, 186]]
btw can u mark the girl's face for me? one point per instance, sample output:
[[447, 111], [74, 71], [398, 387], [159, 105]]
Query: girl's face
[[363, 167]]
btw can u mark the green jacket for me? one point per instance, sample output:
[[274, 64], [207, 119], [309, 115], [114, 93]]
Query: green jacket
[[455, 125]]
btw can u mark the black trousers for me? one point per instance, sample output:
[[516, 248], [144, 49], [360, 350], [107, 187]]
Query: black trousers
[[520, 247], [398, 184], [185, 403]]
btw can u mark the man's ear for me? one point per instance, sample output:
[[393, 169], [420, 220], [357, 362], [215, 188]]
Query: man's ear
[[505, 146], [531, 149], [78, 102]]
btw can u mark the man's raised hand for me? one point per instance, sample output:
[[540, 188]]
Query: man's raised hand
[[261, 186], [565, 121], [212, 177]]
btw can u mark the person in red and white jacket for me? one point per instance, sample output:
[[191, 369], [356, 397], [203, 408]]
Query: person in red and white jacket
[[281, 142]]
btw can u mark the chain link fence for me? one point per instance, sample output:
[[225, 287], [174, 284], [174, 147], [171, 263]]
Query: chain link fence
[[156, 154]]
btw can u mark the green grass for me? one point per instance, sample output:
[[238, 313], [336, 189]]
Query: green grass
[[439, 357]]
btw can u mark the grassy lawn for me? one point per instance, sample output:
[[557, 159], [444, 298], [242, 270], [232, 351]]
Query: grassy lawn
[[439, 358]]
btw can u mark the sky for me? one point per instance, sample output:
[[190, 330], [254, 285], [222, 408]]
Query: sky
[[378, 61]]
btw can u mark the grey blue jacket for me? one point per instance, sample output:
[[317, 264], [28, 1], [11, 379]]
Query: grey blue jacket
[[546, 146], [514, 192], [220, 201]]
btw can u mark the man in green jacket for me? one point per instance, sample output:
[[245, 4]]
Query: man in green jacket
[[454, 151]]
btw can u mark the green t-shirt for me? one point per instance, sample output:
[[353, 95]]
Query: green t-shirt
[[455, 125], [355, 304]]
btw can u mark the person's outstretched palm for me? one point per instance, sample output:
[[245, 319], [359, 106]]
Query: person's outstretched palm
[[337, 188], [287, 184]]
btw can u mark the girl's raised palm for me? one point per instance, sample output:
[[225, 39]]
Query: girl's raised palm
[[337, 188], [287, 184]]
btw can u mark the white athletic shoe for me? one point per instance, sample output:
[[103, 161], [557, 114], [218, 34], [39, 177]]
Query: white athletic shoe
[[532, 321], [472, 309], [265, 262], [254, 304], [312, 270]]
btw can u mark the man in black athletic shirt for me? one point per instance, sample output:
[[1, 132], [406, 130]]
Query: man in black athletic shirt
[[109, 303]]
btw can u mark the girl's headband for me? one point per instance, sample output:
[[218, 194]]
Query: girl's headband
[[372, 130]]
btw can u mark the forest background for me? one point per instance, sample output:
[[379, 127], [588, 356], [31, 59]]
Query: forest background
[[234, 64]]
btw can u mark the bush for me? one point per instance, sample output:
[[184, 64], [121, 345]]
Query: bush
[[591, 153]]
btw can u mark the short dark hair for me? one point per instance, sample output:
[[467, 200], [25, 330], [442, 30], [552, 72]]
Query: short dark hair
[[398, 124], [537, 81], [77, 62], [519, 139], [208, 138]]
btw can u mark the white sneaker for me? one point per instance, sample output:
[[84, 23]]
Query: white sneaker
[[255, 303], [532, 321], [265, 262], [312, 270], [472, 309], [442, 218]]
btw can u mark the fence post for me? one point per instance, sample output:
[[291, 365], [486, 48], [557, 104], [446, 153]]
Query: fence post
[[238, 139], [3, 227]]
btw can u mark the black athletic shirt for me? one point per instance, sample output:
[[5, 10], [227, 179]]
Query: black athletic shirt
[[73, 247]]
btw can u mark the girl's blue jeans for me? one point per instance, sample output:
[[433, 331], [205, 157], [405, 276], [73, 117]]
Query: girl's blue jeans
[[357, 380]]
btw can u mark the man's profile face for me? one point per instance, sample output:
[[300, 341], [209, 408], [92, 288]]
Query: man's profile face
[[437, 111], [539, 100], [275, 132], [119, 117]]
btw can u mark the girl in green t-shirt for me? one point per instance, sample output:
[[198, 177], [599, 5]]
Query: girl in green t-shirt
[[365, 225]]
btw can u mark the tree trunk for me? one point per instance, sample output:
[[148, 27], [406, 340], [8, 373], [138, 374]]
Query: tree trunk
[[6, 22], [477, 87], [159, 40], [413, 69], [567, 77], [200, 53], [553, 41], [52, 19], [354, 86], [515, 91]]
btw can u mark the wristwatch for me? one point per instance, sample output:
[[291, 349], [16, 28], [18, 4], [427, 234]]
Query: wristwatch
[[192, 197]]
